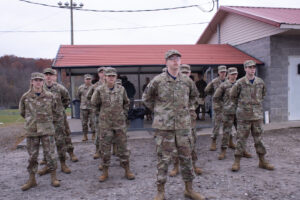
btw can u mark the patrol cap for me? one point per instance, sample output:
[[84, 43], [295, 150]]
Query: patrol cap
[[100, 69], [222, 68], [110, 71], [232, 70], [171, 53], [37, 75], [185, 68], [249, 63], [119, 81], [87, 76], [49, 71]]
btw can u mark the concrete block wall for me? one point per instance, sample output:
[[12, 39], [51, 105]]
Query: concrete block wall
[[274, 52], [282, 46]]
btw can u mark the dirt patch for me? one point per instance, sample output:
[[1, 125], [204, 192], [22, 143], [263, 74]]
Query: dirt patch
[[9, 136], [217, 181]]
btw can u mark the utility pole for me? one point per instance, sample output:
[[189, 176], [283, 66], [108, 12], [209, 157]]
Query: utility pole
[[70, 6]]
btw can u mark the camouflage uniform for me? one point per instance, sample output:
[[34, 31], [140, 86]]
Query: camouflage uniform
[[222, 98], [96, 113], [86, 111], [69, 144], [113, 106], [62, 98], [170, 101], [38, 114], [218, 109], [248, 98]]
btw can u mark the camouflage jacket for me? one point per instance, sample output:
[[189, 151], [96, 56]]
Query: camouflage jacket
[[113, 106], [196, 104], [248, 97], [222, 98], [82, 96], [62, 98], [211, 89], [90, 94], [170, 100], [38, 113], [92, 89]]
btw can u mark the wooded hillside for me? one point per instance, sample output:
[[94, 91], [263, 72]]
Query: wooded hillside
[[15, 75]]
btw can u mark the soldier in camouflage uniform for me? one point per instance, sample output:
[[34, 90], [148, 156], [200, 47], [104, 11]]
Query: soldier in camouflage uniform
[[222, 97], [68, 139], [87, 114], [62, 98], [248, 94], [186, 70], [96, 112], [112, 102], [218, 109], [169, 95], [37, 107]]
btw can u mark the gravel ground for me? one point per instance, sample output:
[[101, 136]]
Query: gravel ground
[[217, 181]]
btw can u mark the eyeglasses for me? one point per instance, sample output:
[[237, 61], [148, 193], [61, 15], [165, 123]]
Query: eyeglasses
[[174, 58]]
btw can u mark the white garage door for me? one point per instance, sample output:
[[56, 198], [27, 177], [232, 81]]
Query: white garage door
[[294, 88]]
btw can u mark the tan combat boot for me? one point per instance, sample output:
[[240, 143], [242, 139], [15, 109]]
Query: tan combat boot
[[100, 167], [73, 157], [54, 181], [222, 154], [231, 144], [93, 136], [96, 155], [264, 164], [85, 137], [213, 146], [128, 174], [197, 170], [175, 170], [30, 183], [236, 164], [247, 155], [64, 167], [190, 193], [160, 192], [104, 175], [97, 152], [43, 162], [44, 171]]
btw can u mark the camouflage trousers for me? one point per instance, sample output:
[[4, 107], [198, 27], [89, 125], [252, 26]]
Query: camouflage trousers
[[194, 141], [228, 121], [69, 144], [33, 145], [218, 119], [120, 138], [87, 117], [243, 130], [97, 130], [60, 139], [169, 143]]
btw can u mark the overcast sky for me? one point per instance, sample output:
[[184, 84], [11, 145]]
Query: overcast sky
[[51, 26]]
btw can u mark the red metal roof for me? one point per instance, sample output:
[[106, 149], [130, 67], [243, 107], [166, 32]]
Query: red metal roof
[[118, 55], [272, 16]]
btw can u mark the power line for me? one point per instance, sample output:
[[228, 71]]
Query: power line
[[105, 29], [128, 11]]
